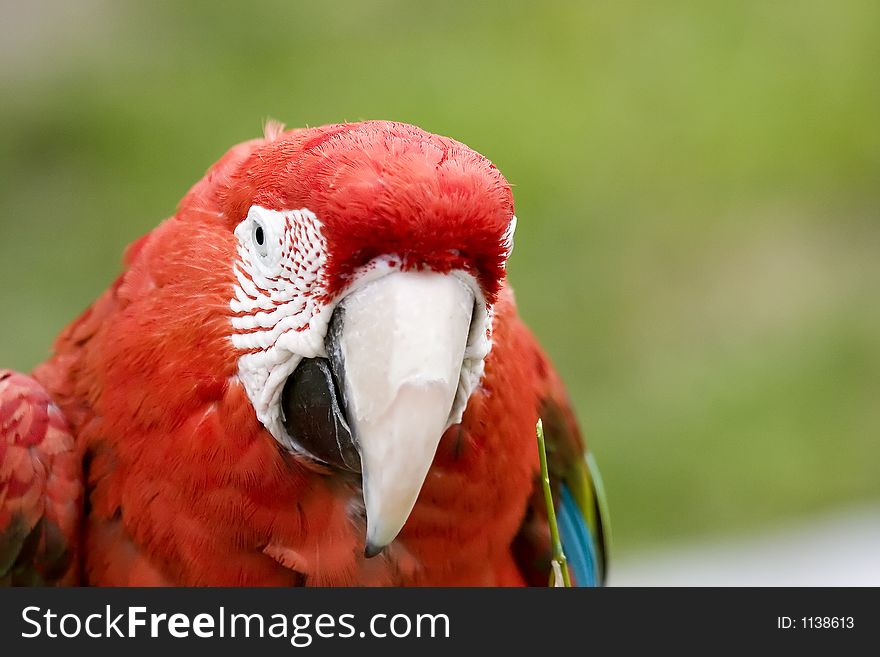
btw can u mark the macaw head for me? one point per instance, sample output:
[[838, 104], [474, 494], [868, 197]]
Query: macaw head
[[367, 258]]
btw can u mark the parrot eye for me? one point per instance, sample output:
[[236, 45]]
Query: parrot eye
[[259, 239]]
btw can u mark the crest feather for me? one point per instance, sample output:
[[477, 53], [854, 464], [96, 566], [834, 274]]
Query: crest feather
[[272, 129]]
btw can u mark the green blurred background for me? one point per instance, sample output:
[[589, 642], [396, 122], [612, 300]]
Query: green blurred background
[[696, 185]]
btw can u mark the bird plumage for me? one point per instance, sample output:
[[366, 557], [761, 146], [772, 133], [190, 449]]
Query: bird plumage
[[40, 487], [183, 484]]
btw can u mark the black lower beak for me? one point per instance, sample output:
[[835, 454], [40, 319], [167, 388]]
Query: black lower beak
[[314, 415]]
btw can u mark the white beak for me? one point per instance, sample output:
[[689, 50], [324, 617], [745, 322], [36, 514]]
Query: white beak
[[401, 344]]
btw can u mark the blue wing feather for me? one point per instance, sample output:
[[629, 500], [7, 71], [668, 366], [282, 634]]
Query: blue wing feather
[[578, 542]]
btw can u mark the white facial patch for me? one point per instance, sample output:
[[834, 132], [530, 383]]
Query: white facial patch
[[280, 315], [277, 320], [507, 241]]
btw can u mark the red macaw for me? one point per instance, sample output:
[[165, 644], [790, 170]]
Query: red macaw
[[312, 374]]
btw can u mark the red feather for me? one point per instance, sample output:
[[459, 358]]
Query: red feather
[[40, 487], [184, 485]]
